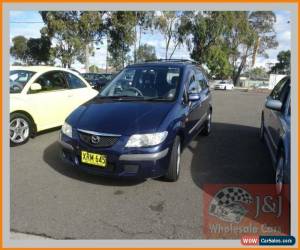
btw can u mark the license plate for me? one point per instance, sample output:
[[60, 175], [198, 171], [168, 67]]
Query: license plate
[[93, 159]]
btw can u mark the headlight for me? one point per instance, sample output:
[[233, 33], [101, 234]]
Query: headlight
[[146, 140], [67, 129]]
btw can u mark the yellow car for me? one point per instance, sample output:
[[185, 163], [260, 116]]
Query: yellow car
[[41, 97]]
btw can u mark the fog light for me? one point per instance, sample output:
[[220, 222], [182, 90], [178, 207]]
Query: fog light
[[131, 168]]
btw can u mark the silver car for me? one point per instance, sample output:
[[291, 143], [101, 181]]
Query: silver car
[[275, 131]]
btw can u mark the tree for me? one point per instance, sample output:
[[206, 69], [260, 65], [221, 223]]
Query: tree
[[206, 31], [257, 73], [91, 30], [146, 52], [19, 48], [32, 51], [38, 50], [120, 28], [263, 24], [63, 27], [217, 62], [235, 36], [169, 24], [239, 38], [283, 66], [143, 21]]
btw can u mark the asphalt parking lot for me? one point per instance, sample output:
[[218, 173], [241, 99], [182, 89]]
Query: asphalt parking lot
[[49, 198]]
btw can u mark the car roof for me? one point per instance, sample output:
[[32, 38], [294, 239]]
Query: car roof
[[41, 69]]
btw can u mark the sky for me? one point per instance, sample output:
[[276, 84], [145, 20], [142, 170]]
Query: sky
[[29, 23]]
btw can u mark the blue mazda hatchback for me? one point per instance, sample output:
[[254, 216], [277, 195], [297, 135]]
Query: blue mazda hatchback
[[140, 122]]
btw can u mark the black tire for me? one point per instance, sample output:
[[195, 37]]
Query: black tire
[[281, 186], [26, 132], [262, 129], [207, 125], [174, 164]]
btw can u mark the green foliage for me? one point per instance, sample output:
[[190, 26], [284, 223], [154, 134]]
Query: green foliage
[[32, 51], [217, 62], [257, 73], [226, 40], [283, 66], [146, 52], [38, 50], [19, 48], [121, 36], [263, 24], [63, 27], [174, 28], [143, 21]]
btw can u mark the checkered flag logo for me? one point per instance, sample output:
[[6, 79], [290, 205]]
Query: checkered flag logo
[[227, 204]]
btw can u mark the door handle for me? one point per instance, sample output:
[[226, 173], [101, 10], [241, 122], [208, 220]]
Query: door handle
[[70, 95]]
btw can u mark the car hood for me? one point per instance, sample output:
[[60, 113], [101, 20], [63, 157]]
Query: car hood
[[121, 117]]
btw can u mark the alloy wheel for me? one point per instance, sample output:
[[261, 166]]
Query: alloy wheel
[[19, 130]]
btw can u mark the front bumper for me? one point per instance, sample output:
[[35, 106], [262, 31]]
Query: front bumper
[[141, 163]]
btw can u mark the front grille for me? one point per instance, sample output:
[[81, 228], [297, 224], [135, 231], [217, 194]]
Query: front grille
[[99, 141]]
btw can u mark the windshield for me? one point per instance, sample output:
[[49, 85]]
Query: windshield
[[146, 83], [18, 79]]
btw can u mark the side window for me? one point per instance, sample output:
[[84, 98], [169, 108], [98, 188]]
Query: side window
[[201, 79], [276, 92], [51, 81], [194, 86], [74, 81]]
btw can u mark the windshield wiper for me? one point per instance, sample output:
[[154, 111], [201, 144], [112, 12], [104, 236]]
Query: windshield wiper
[[121, 97], [157, 98]]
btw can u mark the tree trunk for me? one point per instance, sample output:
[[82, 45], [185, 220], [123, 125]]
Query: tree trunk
[[87, 58], [236, 77], [255, 49]]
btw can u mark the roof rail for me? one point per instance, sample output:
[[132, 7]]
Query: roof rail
[[173, 60]]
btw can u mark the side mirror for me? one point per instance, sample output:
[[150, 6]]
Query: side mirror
[[194, 97], [273, 104], [35, 87]]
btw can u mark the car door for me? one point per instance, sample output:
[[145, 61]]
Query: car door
[[78, 93], [273, 118], [50, 104], [204, 93], [196, 109]]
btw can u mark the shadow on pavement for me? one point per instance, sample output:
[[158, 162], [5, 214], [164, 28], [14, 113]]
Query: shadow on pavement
[[231, 154], [234, 154], [52, 157]]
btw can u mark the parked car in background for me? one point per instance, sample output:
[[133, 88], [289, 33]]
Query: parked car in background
[[140, 122], [42, 97], [262, 86], [98, 81], [276, 131], [224, 85]]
